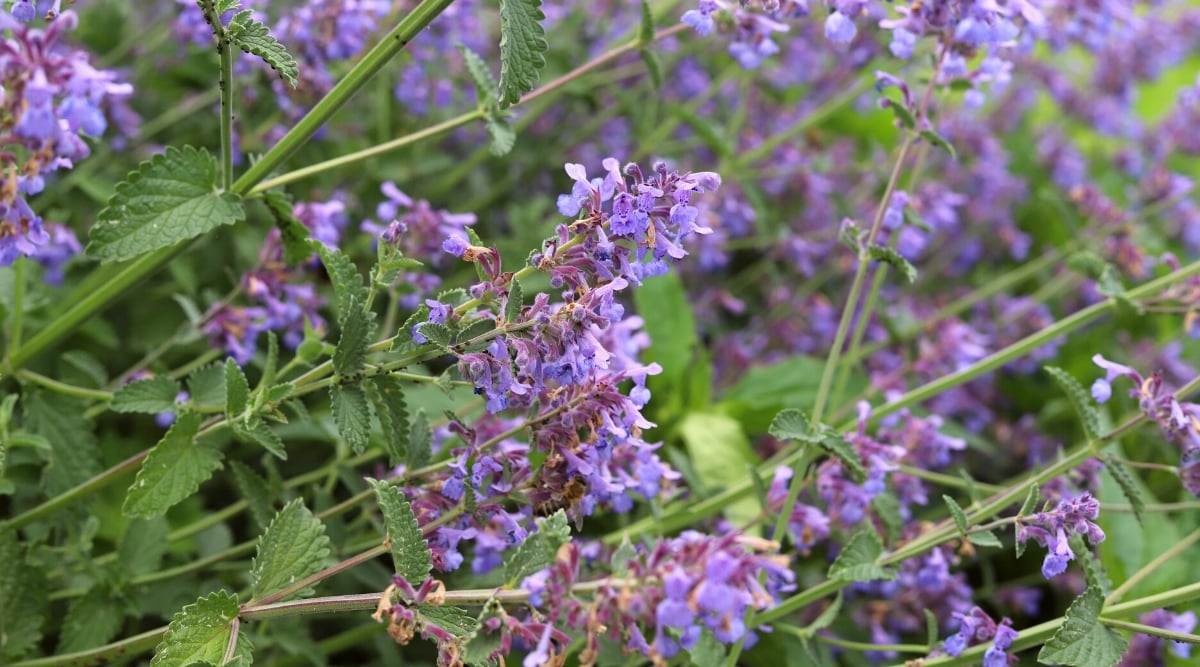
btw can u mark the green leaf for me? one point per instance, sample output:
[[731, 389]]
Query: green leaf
[[475, 329], [92, 620], [653, 67], [1129, 486], [887, 508], [200, 633], [351, 354], [522, 48], [150, 396], [890, 256], [671, 325], [352, 414], [1083, 641], [904, 117], [420, 442], [22, 600], [763, 391], [985, 539], [503, 136], [939, 141], [143, 546], [621, 557], [719, 452], [293, 233], [481, 76], [454, 620], [255, 491], [206, 386], [960, 518], [1080, 400], [646, 27], [261, 434], [708, 651], [410, 552], [172, 197], [538, 550], [254, 38], [1093, 570], [836, 445], [793, 424], [388, 395], [237, 391], [514, 303], [438, 334], [173, 470], [931, 630], [74, 456], [293, 547], [1032, 498], [347, 281], [856, 562]]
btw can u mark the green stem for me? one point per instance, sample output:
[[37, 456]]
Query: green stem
[[83, 490], [1152, 631], [324, 574], [101, 655], [18, 306], [1153, 566], [63, 387], [225, 85]]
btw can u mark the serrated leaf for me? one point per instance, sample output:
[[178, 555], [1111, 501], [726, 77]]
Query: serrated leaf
[[708, 651], [173, 470], [481, 76], [390, 406], [960, 518], [438, 334], [939, 141], [836, 445], [653, 67], [1027, 507], [792, 424], [22, 600], [538, 550], [985, 538], [454, 620], [410, 552], [931, 630], [150, 396], [887, 508], [646, 27], [237, 391], [1093, 570], [890, 256], [92, 620], [522, 48], [856, 562], [74, 456], [1129, 485], [292, 232], [350, 356], [903, 116], [420, 442], [293, 547], [253, 488], [352, 414], [261, 434], [347, 281], [514, 303], [200, 633], [474, 330], [206, 386], [226, 5], [503, 136], [254, 38], [172, 197], [1083, 641], [143, 546], [1080, 399]]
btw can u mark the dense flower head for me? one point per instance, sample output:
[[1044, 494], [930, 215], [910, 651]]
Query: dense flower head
[[977, 627], [1148, 651], [53, 97], [1053, 528]]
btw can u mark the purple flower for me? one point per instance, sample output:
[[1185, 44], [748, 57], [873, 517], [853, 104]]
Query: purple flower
[[840, 29], [701, 18]]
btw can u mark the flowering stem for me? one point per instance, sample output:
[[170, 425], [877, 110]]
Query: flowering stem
[[1143, 629], [1152, 567], [63, 387], [304, 583], [225, 85]]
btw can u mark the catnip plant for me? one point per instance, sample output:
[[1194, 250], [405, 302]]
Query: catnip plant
[[441, 332]]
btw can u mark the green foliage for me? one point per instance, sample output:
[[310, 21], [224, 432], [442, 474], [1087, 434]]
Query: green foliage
[[352, 414], [143, 546], [149, 396], [938, 140], [522, 48], [350, 356], [410, 553], [173, 470], [292, 232], [206, 386], [708, 651], [1080, 400], [254, 38], [22, 599], [438, 334], [856, 562], [293, 547], [91, 620], [890, 256], [763, 391], [171, 197], [237, 391], [388, 396], [254, 491], [538, 550], [259, 433], [1083, 641], [960, 518], [719, 452], [349, 292], [792, 424], [74, 455], [200, 632], [420, 442], [454, 620]]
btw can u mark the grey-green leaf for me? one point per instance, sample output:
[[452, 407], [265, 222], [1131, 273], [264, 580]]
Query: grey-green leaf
[[890, 256], [503, 136], [254, 38], [522, 48], [410, 552], [292, 232], [200, 633], [538, 550], [206, 385], [454, 620], [237, 390], [939, 141], [856, 562], [261, 434], [1083, 641], [1128, 484], [173, 470], [960, 517], [481, 76], [150, 396], [350, 356], [792, 424], [347, 281], [92, 619], [352, 414], [392, 409], [171, 197], [293, 547], [420, 442], [984, 538], [1080, 400], [514, 302], [255, 491]]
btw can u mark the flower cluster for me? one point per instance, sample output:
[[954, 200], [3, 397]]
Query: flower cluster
[[1179, 421], [1053, 529], [1147, 651], [977, 627], [52, 98]]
